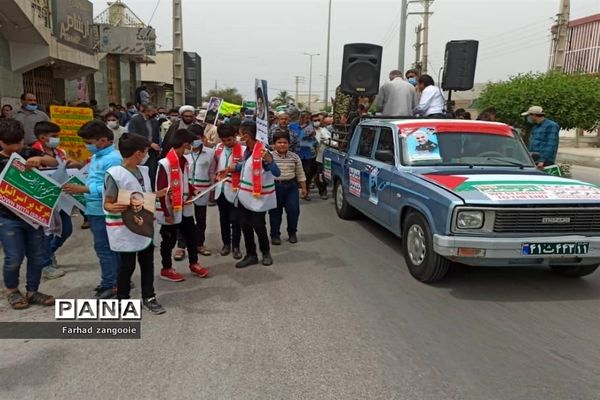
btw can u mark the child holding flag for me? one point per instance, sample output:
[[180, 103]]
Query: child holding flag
[[202, 172], [173, 211], [229, 152], [48, 140], [256, 194], [134, 177], [20, 239]]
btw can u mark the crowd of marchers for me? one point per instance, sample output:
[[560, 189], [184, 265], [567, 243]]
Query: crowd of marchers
[[177, 156]]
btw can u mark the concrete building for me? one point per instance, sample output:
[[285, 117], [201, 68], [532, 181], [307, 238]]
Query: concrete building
[[43, 45], [124, 41], [583, 45], [158, 78]]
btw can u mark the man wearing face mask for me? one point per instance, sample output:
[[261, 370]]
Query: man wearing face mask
[[173, 117], [544, 136], [187, 117], [412, 77], [29, 115], [396, 97], [146, 125]]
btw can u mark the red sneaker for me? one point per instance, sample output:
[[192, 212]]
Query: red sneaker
[[169, 274], [198, 270]]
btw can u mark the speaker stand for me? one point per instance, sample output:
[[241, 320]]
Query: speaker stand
[[449, 107]]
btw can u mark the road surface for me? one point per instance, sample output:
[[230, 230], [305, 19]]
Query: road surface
[[336, 317]]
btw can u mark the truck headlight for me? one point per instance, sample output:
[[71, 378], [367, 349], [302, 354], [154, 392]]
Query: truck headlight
[[469, 219]]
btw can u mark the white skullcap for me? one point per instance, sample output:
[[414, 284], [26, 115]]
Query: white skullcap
[[183, 109]]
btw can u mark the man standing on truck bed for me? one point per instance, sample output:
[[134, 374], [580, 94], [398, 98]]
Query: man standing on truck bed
[[396, 97]]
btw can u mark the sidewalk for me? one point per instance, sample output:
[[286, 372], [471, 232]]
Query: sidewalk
[[585, 156]]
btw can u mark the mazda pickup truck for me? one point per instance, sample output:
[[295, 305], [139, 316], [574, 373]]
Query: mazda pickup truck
[[464, 192]]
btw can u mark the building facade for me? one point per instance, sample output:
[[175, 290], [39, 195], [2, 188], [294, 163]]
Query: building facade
[[45, 44], [583, 46], [158, 78]]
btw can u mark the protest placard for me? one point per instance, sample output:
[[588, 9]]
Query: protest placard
[[262, 111], [212, 112], [70, 120], [28, 192], [62, 176]]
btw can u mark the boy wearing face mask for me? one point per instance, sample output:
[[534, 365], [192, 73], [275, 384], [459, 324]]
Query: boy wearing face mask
[[47, 135], [173, 211], [173, 119], [98, 140], [112, 121], [203, 168], [132, 176]]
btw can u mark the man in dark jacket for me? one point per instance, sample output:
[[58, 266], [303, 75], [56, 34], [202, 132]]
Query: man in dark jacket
[[146, 125]]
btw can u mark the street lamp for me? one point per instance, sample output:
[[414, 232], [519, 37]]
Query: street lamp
[[327, 61], [310, 77]]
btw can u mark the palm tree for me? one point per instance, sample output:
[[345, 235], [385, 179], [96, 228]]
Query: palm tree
[[283, 98]]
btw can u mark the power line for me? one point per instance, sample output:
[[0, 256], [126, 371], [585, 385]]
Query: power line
[[515, 49], [153, 12]]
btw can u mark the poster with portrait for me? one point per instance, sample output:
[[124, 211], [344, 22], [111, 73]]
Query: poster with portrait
[[262, 111], [212, 112], [139, 216], [422, 144]]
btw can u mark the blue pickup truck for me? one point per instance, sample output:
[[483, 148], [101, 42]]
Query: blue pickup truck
[[466, 192]]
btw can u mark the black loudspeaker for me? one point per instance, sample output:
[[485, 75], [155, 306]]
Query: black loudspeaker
[[459, 64], [361, 69]]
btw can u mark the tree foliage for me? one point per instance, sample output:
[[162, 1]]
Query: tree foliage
[[283, 98], [230, 95], [572, 100]]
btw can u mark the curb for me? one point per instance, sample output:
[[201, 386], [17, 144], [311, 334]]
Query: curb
[[575, 159]]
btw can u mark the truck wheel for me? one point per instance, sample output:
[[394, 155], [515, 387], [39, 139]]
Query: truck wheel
[[417, 246], [343, 209], [574, 271]]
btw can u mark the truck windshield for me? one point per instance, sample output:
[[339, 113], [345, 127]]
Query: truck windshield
[[425, 147]]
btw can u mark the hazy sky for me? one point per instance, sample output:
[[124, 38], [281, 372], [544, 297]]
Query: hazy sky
[[240, 40]]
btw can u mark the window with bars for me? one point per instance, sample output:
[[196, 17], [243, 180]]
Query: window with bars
[[40, 81]]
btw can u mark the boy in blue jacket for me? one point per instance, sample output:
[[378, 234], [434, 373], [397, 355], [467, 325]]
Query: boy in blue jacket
[[98, 140]]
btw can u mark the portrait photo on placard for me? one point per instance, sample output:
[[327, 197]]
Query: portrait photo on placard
[[212, 112], [139, 215]]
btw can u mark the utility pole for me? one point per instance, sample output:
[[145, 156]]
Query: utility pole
[[327, 61], [402, 39], [310, 55], [298, 79], [417, 64], [425, 44], [178, 98], [560, 50]]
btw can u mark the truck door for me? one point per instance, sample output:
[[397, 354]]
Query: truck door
[[383, 171], [360, 165]]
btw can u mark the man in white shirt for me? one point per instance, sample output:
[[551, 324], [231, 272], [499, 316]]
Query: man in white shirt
[[396, 97], [432, 103]]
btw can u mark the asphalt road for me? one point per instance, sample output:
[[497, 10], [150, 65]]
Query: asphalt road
[[586, 174], [336, 317]]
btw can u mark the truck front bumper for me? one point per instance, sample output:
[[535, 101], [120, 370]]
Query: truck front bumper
[[502, 252]]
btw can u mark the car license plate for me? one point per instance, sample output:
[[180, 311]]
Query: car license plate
[[540, 249]]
